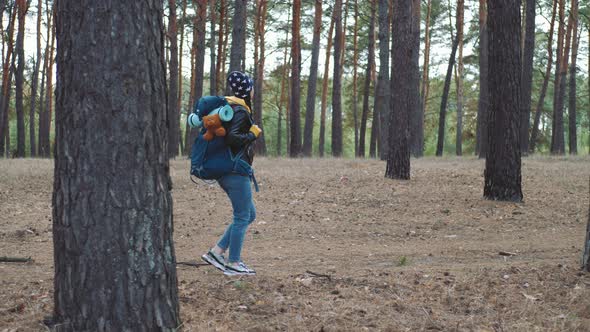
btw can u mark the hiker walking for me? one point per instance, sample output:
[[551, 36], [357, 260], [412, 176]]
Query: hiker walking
[[241, 132]]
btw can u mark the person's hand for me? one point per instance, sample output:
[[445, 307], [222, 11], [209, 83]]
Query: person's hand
[[256, 131]]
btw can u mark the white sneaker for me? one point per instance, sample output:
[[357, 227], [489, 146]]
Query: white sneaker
[[238, 269], [214, 259]]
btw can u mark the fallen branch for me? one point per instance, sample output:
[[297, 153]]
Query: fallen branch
[[319, 275], [8, 259], [506, 253], [197, 265]]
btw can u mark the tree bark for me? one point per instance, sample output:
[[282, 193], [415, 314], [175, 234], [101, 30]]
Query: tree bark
[[19, 80], [383, 93], [173, 110], [337, 82], [573, 130], [260, 146], [398, 161], [6, 84], [115, 267], [326, 78], [180, 75], [295, 96], [503, 164], [542, 94], [444, 99], [238, 36], [212, 67], [557, 132], [35, 82], [220, 49], [284, 83], [416, 115], [459, 79], [45, 147], [527, 75], [355, 79], [312, 84], [481, 147], [200, 30], [425, 67], [368, 73]]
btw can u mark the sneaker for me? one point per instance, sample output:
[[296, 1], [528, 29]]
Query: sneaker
[[239, 269], [214, 259]]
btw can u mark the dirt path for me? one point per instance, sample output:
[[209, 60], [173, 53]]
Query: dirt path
[[383, 255]]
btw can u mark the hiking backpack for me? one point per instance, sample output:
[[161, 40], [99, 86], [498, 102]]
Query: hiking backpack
[[212, 159]]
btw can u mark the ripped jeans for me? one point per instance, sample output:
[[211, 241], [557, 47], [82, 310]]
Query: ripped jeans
[[239, 191]]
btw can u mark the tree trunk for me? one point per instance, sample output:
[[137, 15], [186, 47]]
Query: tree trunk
[[535, 129], [481, 147], [200, 30], [191, 98], [295, 95], [115, 267], [445, 97], [238, 36], [20, 70], [260, 146], [355, 79], [383, 93], [503, 165], [557, 132], [416, 115], [326, 78], [180, 77], [212, 67], [34, 83], [367, 88], [173, 110], [42, 117], [573, 135], [6, 84], [425, 67], [46, 144], [527, 75], [282, 99], [220, 49], [337, 83], [312, 84], [459, 79], [398, 161]]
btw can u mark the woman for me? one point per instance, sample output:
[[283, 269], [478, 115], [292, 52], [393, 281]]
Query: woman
[[241, 133]]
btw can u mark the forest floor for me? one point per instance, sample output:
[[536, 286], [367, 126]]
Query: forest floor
[[338, 247]]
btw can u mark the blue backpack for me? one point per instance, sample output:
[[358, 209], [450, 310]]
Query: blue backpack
[[210, 160]]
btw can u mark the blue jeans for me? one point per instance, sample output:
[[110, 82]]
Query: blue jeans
[[238, 190]]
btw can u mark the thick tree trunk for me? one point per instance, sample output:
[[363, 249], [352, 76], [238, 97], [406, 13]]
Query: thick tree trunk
[[416, 115], [527, 75], [260, 146], [200, 30], [337, 82], [20, 77], [481, 147], [383, 93], [503, 165], [112, 205], [573, 130], [173, 110], [444, 99], [238, 36], [398, 161], [542, 94], [557, 132], [368, 73], [295, 95], [459, 79], [326, 78], [312, 84]]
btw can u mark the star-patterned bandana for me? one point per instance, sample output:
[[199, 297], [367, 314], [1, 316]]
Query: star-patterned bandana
[[241, 84]]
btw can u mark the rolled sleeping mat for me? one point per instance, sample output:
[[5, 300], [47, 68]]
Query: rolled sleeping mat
[[194, 121], [226, 113]]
